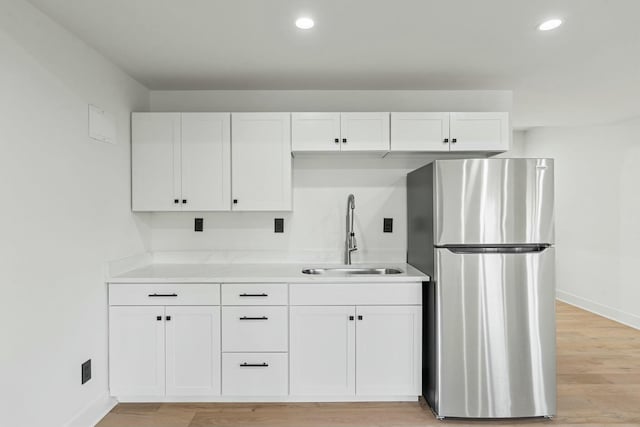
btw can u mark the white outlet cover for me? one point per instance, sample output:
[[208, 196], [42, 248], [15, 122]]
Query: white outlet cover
[[102, 126]]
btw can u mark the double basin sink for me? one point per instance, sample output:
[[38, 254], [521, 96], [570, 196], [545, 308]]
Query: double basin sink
[[348, 271]]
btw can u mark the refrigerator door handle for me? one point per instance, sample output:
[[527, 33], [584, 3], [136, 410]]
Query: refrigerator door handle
[[499, 249]]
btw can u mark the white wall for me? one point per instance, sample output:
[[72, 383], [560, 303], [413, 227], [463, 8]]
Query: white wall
[[332, 100], [315, 230], [65, 211], [597, 214]]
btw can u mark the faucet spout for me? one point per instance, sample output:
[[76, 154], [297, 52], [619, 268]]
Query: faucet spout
[[350, 241]]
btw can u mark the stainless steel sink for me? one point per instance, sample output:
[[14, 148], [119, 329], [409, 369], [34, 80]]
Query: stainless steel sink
[[341, 271]]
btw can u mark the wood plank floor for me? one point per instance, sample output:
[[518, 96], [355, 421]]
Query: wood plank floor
[[598, 384]]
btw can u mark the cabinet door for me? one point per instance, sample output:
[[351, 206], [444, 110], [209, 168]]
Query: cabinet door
[[322, 351], [261, 161], [388, 349], [136, 351], [480, 132], [155, 161], [315, 131], [193, 351], [419, 131], [364, 131], [206, 161]]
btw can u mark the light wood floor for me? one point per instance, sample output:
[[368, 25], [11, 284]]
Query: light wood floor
[[598, 384]]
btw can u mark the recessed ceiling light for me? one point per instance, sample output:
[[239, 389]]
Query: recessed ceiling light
[[304, 23], [550, 24]]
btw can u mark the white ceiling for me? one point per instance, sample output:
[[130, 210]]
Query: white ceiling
[[587, 71]]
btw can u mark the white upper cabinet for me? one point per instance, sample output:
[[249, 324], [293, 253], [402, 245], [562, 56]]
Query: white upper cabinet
[[419, 131], [315, 132], [480, 132], [443, 132], [180, 161], [327, 132], [364, 131], [261, 161], [206, 161], [155, 158]]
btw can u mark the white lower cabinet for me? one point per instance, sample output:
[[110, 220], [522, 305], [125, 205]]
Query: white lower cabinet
[[322, 350], [255, 374], [364, 350], [158, 350], [388, 350], [192, 351], [254, 329], [136, 351], [277, 341]]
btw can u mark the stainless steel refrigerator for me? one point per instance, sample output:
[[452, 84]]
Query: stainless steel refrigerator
[[483, 229]]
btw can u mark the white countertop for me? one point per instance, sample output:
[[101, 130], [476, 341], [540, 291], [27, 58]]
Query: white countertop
[[265, 273]]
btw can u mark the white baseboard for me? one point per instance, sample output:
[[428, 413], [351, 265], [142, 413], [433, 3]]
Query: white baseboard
[[93, 412], [619, 316], [265, 399]]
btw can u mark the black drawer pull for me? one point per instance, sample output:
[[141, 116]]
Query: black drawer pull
[[163, 295], [254, 365], [254, 318], [254, 295]]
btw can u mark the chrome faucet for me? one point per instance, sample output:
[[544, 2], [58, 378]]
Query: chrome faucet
[[350, 244]]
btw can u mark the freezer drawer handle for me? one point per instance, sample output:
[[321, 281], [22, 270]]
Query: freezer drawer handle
[[163, 295], [254, 295], [254, 365], [254, 318]]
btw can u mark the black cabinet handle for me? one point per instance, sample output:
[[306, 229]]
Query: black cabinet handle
[[176, 201], [254, 318], [158, 317], [350, 317], [168, 318], [453, 140], [446, 140], [235, 201], [359, 317], [184, 201], [344, 140], [337, 140], [253, 295], [163, 295], [254, 365]]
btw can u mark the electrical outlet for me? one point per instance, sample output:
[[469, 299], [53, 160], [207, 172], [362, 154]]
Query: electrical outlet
[[86, 371], [387, 225], [278, 225], [198, 224]]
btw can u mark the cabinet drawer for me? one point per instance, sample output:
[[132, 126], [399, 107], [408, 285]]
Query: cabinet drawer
[[255, 374], [355, 294], [165, 294], [254, 294], [254, 329]]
